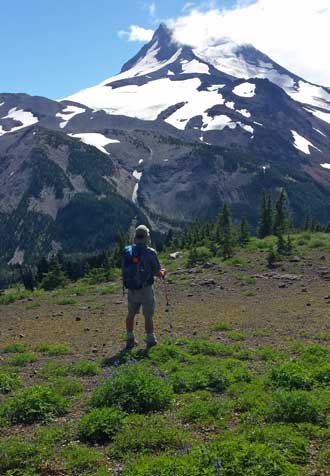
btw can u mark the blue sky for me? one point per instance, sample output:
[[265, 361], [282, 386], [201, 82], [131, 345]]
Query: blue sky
[[55, 47]]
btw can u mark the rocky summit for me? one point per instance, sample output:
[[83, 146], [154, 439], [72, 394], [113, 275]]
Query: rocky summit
[[174, 135]]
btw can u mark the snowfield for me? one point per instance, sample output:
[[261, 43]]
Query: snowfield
[[245, 90], [24, 117], [95, 139], [302, 144], [68, 113]]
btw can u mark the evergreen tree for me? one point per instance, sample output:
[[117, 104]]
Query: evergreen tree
[[308, 222], [244, 232], [55, 278], [271, 257], [289, 246], [281, 245], [281, 214], [169, 238], [42, 268], [265, 227], [192, 257], [28, 279], [227, 240]]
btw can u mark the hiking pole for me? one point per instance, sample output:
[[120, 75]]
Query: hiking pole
[[167, 310]]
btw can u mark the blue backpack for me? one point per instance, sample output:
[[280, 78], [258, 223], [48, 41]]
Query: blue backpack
[[136, 273]]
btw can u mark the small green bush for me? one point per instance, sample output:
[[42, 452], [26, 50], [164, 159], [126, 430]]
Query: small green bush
[[13, 296], [54, 369], [66, 301], [100, 425], [291, 375], [237, 336], [85, 368], [203, 408], [296, 406], [53, 349], [322, 374], [34, 404], [141, 433], [168, 352], [21, 360], [68, 387], [204, 347], [222, 326], [8, 382], [81, 460], [283, 438], [134, 389], [15, 348], [16, 454], [199, 377]]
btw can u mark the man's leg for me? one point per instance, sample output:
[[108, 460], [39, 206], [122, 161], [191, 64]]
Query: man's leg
[[148, 312], [133, 309]]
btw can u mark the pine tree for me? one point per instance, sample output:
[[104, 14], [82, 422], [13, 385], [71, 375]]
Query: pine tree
[[289, 246], [271, 257], [192, 257], [308, 222], [227, 240], [55, 278], [265, 227], [281, 245], [244, 233], [28, 279], [281, 214]]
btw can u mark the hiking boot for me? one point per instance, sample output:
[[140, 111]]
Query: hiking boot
[[151, 344], [130, 343]]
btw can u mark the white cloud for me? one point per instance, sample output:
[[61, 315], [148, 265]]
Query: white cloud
[[294, 33], [152, 9], [187, 6], [136, 33]]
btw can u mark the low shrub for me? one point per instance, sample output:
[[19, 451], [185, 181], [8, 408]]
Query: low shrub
[[141, 434], [8, 382], [68, 387], [283, 438], [81, 460], [322, 374], [85, 368], [234, 335], [16, 455], [134, 389], [204, 347], [15, 348], [222, 326], [100, 425], [296, 406], [199, 377], [53, 349], [203, 408], [54, 369], [21, 360], [291, 375], [34, 404]]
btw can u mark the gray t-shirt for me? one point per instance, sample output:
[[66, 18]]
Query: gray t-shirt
[[150, 261]]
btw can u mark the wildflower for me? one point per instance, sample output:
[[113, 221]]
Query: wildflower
[[218, 466], [118, 470]]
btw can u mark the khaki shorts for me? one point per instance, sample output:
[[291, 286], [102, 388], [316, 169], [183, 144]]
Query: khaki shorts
[[142, 297]]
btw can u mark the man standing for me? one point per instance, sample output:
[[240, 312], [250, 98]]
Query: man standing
[[139, 267]]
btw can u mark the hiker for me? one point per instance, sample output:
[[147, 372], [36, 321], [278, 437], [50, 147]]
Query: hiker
[[140, 265]]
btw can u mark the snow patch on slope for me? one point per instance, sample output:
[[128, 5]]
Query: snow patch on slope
[[245, 90], [325, 166], [302, 144], [195, 66], [324, 116], [95, 139], [68, 113], [26, 118]]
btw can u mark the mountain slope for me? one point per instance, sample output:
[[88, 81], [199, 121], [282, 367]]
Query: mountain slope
[[170, 138]]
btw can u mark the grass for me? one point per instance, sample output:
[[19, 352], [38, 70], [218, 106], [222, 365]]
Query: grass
[[187, 407]]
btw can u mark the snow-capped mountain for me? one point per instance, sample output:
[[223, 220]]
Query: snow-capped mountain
[[184, 129], [166, 76]]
